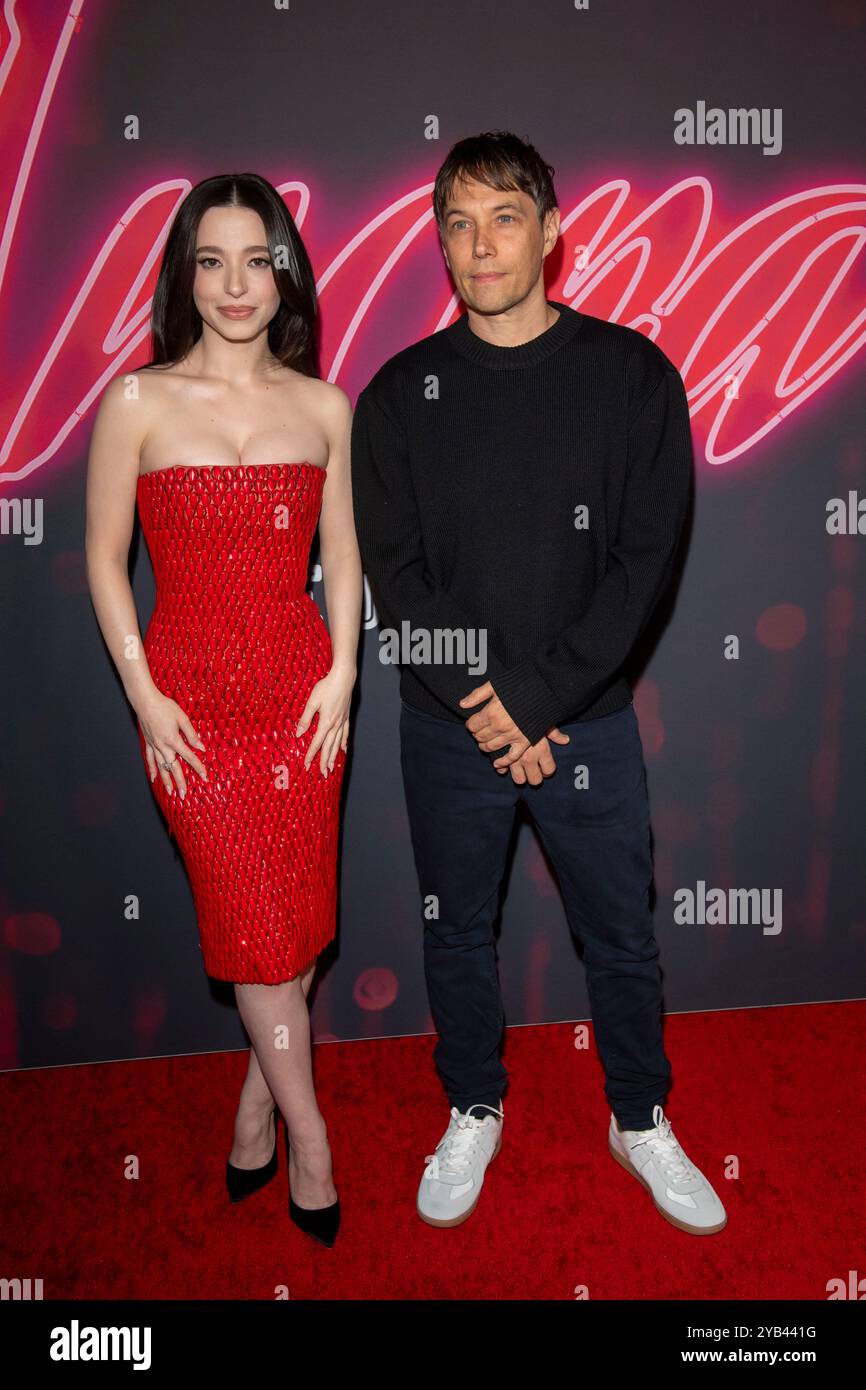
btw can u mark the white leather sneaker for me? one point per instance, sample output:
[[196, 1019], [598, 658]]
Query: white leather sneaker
[[454, 1175], [680, 1191]]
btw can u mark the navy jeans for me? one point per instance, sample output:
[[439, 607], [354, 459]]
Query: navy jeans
[[461, 815]]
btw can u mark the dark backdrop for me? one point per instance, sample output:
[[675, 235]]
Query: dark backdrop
[[745, 266]]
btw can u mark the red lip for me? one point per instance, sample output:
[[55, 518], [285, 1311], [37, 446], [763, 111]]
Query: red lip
[[236, 310]]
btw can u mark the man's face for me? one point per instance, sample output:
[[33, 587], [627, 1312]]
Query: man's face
[[494, 244]]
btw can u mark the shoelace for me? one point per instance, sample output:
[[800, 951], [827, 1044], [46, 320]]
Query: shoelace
[[661, 1142], [454, 1151]]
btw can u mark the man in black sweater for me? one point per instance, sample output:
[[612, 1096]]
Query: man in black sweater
[[520, 484]]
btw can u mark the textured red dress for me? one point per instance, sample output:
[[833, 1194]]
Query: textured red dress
[[237, 641]]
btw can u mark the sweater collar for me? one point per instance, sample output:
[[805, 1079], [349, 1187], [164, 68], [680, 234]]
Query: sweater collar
[[477, 349]]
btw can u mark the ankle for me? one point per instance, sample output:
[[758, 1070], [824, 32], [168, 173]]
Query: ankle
[[311, 1146], [250, 1125], [255, 1107]]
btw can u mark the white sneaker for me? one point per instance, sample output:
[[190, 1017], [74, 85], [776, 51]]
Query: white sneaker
[[454, 1175], [680, 1191]]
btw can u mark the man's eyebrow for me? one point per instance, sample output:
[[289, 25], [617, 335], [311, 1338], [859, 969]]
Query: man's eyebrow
[[449, 212]]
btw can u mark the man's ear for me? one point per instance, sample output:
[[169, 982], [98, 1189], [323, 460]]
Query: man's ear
[[551, 226]]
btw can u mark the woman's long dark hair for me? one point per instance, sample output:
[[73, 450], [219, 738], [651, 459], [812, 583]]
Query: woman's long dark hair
[[176, 324]]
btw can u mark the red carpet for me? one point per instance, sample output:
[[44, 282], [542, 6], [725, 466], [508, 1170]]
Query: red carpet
[[778, 1088]]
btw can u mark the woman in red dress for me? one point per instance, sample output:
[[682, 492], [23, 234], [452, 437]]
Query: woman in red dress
[[233, 450]]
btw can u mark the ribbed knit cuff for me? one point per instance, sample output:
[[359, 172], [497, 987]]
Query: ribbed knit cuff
[[528, 699]]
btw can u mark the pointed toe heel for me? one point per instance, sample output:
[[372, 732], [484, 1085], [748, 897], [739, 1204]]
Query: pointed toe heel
[[243, 1182], [322, 1223]]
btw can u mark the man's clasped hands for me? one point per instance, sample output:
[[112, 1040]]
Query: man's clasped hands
[[492, 727]]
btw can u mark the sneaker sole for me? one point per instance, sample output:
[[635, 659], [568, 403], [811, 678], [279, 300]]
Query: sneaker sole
[[458, 1220], [681, 1225]]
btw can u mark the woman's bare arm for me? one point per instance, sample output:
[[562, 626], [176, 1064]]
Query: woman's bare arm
[[112, 476], [338, 544], [343, 576]]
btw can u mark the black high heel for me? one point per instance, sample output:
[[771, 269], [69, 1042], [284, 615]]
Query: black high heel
[[243, 1182], [322, 1223]]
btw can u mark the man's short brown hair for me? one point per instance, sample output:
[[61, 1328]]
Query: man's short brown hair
[[500, 159]]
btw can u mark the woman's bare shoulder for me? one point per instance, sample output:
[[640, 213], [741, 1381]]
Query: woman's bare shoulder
[[327, 399], [131, 402], [139, 383]]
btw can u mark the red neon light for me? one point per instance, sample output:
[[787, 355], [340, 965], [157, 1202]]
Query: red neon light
[[758, 315]]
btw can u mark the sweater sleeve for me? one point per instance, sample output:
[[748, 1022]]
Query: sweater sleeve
[[390, 540], [566, 674]]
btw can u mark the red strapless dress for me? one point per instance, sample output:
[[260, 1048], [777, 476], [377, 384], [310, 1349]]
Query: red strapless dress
[[237, 641]]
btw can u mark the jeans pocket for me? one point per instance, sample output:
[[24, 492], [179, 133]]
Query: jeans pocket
[[625, 713], [422, 713]]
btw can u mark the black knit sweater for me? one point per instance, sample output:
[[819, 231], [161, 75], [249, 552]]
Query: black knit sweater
[[533, 495]]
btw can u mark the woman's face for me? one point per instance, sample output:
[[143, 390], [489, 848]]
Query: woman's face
[[234, 288]]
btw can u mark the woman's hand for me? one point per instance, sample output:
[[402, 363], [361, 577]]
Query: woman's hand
[[331, 696], [165, 726]]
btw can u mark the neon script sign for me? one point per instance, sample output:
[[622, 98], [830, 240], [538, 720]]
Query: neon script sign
[[758, 314]]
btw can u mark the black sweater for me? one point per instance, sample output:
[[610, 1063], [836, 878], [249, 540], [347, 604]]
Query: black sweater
[[472, 465]]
